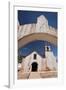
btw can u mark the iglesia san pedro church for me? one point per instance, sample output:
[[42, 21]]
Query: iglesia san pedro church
[[34, 64]]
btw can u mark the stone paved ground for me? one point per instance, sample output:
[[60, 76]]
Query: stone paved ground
[[36, 75]]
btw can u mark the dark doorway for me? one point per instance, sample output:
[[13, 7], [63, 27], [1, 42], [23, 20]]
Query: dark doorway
[[34, 67]]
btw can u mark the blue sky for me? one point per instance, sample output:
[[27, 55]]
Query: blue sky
[[38, 46], [26, 17]]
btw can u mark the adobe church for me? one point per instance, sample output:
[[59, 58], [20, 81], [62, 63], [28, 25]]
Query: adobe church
[[36, 63]]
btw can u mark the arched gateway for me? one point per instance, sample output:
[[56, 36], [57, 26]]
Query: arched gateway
[[39, 31], [37, 36]]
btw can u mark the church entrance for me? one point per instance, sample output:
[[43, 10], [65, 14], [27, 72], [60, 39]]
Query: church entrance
[[34, 67]]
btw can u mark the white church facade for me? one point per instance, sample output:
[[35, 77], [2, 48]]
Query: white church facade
[[36, 63]]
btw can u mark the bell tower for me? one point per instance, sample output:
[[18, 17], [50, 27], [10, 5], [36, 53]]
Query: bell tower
[[47, 48]]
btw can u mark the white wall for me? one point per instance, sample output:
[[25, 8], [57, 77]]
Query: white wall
[[51, 60], [30, 59]]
